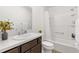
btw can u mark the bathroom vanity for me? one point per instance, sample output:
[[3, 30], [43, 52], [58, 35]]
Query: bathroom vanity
[[32, 44]]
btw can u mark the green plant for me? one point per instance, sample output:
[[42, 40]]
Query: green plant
[[5, 25]]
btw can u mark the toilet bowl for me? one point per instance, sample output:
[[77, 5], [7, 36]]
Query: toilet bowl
[[47, 47]]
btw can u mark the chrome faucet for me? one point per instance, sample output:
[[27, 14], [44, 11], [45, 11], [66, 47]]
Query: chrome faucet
[[19, 33], [25, 31]]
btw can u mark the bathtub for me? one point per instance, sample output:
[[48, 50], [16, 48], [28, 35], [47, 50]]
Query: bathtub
[[65, 46]]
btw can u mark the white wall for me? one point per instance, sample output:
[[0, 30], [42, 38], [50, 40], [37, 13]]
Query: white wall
[[37, 18], [62, 20], [40, 21], [20, 16], [77, 28]]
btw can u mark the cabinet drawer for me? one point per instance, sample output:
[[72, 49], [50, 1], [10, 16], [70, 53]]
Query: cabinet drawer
[[14, 50], [36, 49], [28, 45]]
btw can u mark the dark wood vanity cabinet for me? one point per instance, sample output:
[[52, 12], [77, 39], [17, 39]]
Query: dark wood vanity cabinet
[[33, 46], [36, 49], [27, 46], [14, 50]]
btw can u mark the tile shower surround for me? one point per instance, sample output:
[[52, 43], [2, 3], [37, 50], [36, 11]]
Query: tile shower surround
[[60, 15]]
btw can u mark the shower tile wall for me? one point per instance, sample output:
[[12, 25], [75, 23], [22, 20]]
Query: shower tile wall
[[20, 16], [62, 19]]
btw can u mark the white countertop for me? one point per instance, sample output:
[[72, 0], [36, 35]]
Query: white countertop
[[11, 42]]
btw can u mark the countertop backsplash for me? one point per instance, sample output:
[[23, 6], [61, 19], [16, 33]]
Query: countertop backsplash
[[20, 16], [18, 29]]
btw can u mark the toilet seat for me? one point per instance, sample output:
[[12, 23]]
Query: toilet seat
[[48, 45]]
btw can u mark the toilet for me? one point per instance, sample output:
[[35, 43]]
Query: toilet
[[47, 47]]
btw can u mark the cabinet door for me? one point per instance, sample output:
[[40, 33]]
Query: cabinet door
[[14, 50], [29, 51], [28, 45], [36, 49]]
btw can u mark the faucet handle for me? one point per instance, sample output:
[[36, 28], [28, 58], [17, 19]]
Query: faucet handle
[[19, 33], [25, 31], [73, 35]]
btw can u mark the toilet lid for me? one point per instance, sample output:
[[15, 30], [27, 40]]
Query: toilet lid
[[47, 43]]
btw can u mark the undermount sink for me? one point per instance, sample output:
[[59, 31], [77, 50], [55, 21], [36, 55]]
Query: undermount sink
[[17, 37], [24, 36]]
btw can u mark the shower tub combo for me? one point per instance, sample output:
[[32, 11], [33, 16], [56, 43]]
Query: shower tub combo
[[64, 46]]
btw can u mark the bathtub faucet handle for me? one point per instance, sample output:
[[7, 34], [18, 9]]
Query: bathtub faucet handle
[[73, 35]]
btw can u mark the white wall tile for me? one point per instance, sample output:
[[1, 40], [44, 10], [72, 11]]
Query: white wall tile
[[62, 18], [20, 16]]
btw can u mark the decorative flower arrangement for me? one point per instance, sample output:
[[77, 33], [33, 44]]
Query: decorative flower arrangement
[[5, 25]]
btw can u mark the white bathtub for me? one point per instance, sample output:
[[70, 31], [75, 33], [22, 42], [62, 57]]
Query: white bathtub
[[65, 46]]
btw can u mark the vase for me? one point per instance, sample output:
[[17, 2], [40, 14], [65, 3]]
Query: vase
[[4, 35]]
